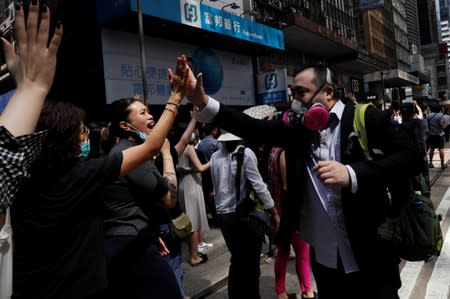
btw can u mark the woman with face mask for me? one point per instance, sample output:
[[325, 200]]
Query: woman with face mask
[[58, 213], [133, 209]]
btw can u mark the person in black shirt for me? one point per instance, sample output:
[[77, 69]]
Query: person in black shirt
[[135, 267]]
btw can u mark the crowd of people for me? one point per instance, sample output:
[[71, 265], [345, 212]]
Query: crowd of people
[[91, 206]]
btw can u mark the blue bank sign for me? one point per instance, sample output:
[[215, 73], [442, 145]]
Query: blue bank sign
[[272, 87], [195, 14]]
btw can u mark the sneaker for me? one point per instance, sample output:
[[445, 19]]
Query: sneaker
[[443, 166], [430, 165], [205, 245]]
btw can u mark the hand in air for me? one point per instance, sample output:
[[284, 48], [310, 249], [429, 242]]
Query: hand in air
[[178, 80], [194, 86], [31, 61]]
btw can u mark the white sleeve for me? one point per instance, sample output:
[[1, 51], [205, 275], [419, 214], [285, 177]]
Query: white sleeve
[[250, 167], [353, 179], [209, 112]]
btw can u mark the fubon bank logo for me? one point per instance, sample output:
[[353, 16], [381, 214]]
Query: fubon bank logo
[[190, 12], [271, 81]]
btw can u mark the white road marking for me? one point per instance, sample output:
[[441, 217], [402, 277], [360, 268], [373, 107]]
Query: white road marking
[[439, 283]]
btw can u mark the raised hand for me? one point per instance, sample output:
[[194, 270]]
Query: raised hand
[[194, 86], [178, 80], [139, 97], [194, 114], [199, 98], [32, 64]]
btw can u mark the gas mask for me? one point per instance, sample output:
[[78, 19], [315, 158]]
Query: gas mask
[[313, 118]]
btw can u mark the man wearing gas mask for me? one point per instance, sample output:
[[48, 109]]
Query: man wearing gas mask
[[336, 197]]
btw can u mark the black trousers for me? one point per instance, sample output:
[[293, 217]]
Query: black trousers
[[244, 240], [335, 283]]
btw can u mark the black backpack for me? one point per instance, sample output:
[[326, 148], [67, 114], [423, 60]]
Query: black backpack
[[416, 232]]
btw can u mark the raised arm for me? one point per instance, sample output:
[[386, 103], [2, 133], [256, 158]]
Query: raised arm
[[198, 166], [187, 134], [32, 65], [418, 109], [137, 155]]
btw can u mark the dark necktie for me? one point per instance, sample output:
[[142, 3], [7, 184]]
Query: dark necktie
[[333, 121]]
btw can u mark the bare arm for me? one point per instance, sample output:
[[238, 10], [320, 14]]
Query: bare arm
[[419, 110], [198, 166], [186, 137], [137, 155], [32, 67], [170, 198]]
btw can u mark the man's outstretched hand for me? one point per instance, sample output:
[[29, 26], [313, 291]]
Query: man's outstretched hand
[[194, 86]]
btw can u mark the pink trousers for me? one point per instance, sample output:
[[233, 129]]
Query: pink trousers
[[302, 265]]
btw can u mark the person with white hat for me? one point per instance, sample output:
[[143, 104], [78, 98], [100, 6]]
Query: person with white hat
[[243, 235]]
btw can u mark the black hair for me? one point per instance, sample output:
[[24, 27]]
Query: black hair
[[120, 110], [62, 120], [435, 108], [97, 139], [323, 74], [206, 129]]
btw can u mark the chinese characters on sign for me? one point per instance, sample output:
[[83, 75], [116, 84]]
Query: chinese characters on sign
[[229, 24], [133, 72]]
